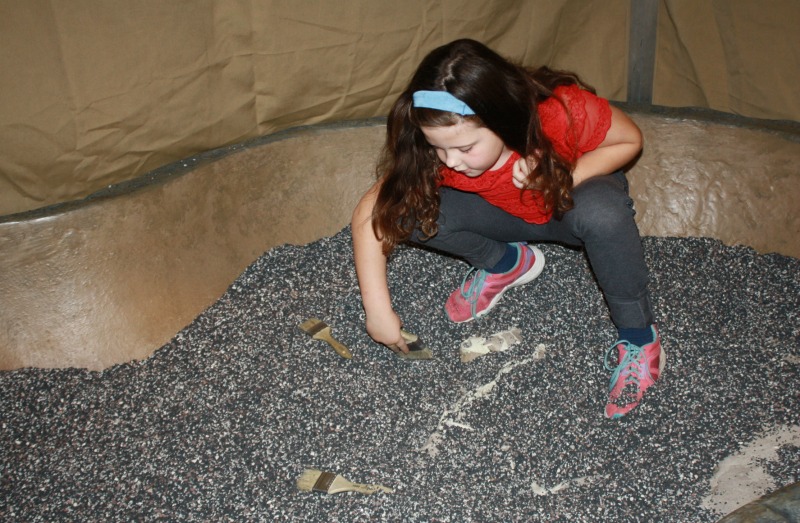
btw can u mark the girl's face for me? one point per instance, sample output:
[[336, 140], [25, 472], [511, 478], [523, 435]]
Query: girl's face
[[467, 148]]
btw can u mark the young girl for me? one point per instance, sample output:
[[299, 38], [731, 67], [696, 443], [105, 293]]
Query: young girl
[[482, 156]]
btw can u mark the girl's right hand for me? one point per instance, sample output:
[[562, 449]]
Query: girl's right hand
[[385, 329], [522, 170]]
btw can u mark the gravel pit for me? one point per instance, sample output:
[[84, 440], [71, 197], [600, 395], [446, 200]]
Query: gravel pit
[[219, 423]]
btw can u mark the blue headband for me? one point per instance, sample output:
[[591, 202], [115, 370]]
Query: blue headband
[[441, 100]]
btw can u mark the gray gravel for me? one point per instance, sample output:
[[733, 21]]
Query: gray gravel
[[218, 424]]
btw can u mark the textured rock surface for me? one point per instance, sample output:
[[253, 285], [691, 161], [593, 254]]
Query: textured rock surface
[[218, 423], [781, 506]]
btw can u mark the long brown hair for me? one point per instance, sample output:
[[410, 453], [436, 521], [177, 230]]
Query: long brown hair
[[504, 97]]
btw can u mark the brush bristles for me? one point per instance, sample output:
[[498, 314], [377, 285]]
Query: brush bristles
[[308, 479], [416, 354]]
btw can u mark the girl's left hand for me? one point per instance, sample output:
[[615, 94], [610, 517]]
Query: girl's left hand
[[522, 169]]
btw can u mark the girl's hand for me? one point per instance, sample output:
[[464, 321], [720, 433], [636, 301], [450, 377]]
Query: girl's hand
[[522, 169], [385, 329]]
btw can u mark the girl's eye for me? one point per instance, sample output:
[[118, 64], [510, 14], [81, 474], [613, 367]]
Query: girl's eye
[[468, 149]]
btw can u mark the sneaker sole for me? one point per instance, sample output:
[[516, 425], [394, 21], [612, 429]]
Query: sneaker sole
[[533, 273]]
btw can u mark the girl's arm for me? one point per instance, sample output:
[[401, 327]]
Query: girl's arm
[[622, 143], [383, 323]]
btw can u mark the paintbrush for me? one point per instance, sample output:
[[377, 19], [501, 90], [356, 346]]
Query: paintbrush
[[319, 330], [313, 480], [416, 348]]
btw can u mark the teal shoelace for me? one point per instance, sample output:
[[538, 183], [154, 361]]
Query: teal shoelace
[[471, 290], [630, 368]]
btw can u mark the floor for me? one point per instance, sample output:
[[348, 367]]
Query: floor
[[218, 424]]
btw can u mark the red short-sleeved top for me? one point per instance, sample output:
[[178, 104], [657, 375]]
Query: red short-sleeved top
[[572, 135]]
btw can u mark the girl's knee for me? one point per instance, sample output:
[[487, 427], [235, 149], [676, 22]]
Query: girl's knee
[[602, 207], [451, 217], [456, 210]]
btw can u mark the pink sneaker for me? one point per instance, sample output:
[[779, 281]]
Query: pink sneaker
[[477, 296], [637, 370]]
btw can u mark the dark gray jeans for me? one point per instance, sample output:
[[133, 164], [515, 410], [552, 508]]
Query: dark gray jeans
[[601, 222]]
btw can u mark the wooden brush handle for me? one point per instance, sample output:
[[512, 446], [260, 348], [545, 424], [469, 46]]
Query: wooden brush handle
[[370, 489], [341, 350]]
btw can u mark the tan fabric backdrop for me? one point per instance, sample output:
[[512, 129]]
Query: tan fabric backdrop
[[95, 92], [737, 56]]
